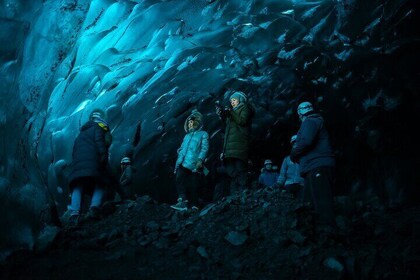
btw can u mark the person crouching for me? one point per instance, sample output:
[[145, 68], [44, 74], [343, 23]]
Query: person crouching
[[90, 158]]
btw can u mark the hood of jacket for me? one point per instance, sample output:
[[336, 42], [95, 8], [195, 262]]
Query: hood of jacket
[[91, 123], [314, 115], [88, 125], [198, 121], [250, 106]]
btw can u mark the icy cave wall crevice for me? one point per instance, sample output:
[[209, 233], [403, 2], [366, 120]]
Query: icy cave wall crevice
[[153, 61]]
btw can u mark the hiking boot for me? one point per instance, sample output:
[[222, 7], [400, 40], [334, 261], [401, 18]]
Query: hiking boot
[[181, 205], [93, 214], [73, 221], [326, 234]]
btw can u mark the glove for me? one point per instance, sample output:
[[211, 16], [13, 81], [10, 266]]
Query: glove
[[223, 113], [277, 186], [222, 156], [199, 164]]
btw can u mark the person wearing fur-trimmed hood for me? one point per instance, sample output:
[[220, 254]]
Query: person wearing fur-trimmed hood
[[189, 164]]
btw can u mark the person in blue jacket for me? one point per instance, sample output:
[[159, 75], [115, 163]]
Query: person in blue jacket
[[290, 178], [268, 176], [189, 165], [313, 151]]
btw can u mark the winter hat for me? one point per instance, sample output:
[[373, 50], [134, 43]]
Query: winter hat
[[240, 96], [293, 139], [268, 161], [97, 114], [126, 160], [304, 108], [197, 117]]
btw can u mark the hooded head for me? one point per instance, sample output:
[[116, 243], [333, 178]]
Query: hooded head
[[304, 109], [194, 121], [237, 98]]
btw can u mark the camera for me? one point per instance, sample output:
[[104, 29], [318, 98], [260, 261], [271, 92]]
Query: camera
[[222, 110]]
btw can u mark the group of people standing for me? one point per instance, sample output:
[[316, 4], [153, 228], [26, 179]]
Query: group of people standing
[[236, 121], [310, 148], [308, 172]]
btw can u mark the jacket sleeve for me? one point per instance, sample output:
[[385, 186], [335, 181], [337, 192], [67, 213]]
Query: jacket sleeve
[[305, 138], [204, 146], [127, 177], [108, 139], [100, 143], [181, 151], [241, 118], [261, 178], [283, 171]]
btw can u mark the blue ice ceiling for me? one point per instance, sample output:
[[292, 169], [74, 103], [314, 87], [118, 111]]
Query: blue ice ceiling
[[153, 61]]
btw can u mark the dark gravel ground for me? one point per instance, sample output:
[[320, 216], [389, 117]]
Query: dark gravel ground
[[258, 235]]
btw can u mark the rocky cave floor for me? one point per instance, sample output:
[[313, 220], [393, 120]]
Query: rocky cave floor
[[263, 234]]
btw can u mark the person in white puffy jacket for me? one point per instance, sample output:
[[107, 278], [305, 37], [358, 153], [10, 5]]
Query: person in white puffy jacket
[[189, 165], [289, 178]]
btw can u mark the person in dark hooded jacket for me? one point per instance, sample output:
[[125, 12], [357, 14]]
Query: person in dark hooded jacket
[[237, 138], [90, 157], [313, 151]]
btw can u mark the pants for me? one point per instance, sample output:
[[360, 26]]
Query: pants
[[78, 192], [318, 186], [296, 190], [124, 191], [237, 171], [187, 183], [221, 189]]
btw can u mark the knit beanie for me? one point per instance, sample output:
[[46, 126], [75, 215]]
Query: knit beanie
[[125, 160], [240, 96]]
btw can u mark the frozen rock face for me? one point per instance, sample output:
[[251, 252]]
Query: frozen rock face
[[151, 62]]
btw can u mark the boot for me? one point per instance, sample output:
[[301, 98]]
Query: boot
[[73, 221], [182, 205], [93, 214]]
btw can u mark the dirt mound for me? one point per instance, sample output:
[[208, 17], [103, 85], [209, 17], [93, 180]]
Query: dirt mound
[[264, 234]]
